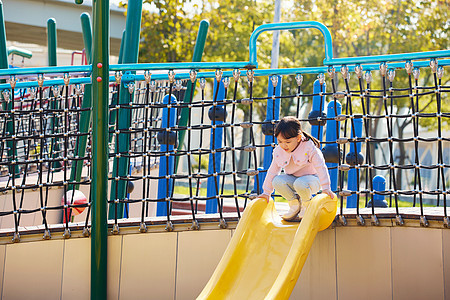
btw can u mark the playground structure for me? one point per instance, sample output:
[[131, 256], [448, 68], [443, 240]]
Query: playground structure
[[149, 132]]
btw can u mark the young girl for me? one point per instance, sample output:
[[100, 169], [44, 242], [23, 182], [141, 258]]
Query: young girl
[[298, 153]]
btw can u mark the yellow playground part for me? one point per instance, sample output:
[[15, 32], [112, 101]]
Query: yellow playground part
[[266, 254]]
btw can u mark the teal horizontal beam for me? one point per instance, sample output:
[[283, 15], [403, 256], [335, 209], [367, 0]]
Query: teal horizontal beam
[[20, 52], [46, 70], [387, 58], [185, 74], [290, 26], [181, 65], [49, 82], [289, 71]]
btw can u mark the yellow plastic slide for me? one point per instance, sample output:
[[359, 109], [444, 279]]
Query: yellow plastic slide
[[266, 254]]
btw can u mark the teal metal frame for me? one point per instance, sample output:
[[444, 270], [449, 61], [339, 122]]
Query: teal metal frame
[[289, 26]]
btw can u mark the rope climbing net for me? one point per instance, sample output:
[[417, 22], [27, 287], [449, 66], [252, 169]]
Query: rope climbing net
[[205, 139]]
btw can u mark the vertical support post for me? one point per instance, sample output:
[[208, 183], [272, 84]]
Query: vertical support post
[[54, 105], [7, 105], [318, 104], [330, 137], [51, 42], [99, 186], [3, 49], [197, 57], [214, 160], [379, 185], [166, 163], [130, 55], [353, 179], [272, 113], [85, 116], [86, 28]]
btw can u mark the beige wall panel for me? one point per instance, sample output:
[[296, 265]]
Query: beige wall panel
[[363, 263], [136, 208], [199, 252], [2, 266], [114, 262], [446, 252], [6, 204], [30, 201], [33, 270], [76, 269], [319, 270], [417, 263], [148, 266]]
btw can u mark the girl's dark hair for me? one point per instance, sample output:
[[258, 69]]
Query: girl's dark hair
[[290, 127]]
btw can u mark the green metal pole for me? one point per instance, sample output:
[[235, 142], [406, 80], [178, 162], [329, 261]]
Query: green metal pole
[[130, 55], [99, 187], [52, 62], [3, 49], [7, 106], [51, 42], [86, 28], [85, 116], [197, 57]]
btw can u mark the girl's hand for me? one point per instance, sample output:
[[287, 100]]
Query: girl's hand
[[329, 193], [265, 197]]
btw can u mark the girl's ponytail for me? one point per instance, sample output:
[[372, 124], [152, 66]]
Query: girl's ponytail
[[313, 139]]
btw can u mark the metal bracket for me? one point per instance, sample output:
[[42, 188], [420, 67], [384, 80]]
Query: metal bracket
[[47, 235], [128, 78], [67, 233], [375, 221], [223, 224], [360, 220], [142, 227], [16, 237], [86, 232], [115, 229], [169, 226], [195, 225], [399, 220], [341, 220], [424, 221], [447, 222]]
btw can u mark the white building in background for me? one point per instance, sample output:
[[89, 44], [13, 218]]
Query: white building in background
[[26, 28]]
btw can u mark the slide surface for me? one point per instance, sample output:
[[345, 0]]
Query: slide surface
[[266, 254]]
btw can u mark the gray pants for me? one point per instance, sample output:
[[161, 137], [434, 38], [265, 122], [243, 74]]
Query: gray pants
[[289, 186]]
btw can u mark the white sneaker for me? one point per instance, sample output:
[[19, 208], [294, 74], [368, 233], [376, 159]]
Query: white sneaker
[[294, 209], [303, 210]]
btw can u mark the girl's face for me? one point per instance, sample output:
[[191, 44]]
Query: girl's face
[[290, 144]]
